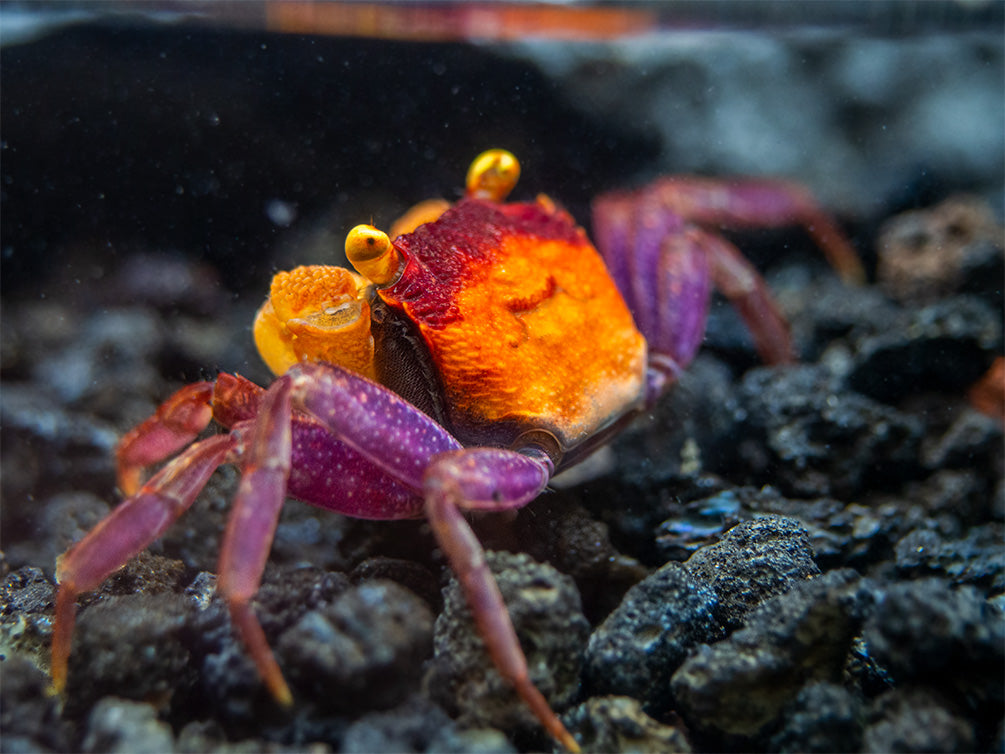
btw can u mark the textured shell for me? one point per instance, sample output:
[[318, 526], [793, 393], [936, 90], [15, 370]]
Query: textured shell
[[524, 325]]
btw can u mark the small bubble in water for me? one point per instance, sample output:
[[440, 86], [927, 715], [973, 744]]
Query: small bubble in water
[[280, 212]]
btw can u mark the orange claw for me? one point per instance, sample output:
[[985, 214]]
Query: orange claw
[[316, 313], [177, 422]]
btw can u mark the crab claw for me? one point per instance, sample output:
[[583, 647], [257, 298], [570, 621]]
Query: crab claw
[[316, 313]]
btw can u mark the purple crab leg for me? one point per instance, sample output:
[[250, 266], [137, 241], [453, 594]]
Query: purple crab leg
[[252, 526], [681, 303], [659, 265], [125, 532], [758, 203], [743, 285], [387, 430], [416, 451], [488, 479], [612, 228], [330, 474]]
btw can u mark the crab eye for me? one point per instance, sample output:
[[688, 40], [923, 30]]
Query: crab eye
[[373, 255], [493, 175]]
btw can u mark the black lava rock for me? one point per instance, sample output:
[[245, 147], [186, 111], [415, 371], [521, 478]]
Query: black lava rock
[[149, 629], [916, 720], [640, 645], [26, 591], [755, 560], [365, 648], [29, 717], [120, 726], [950, 639], [740, 686], [974, 559], [811, 437], [825, 717], [617, 724], [419, 726], [945, 347], [972, 439]]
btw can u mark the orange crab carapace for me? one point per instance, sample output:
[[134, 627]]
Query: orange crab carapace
[[522, 322]]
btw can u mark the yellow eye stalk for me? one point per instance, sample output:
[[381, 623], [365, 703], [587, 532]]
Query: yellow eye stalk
[[492, 175], [370, 251]]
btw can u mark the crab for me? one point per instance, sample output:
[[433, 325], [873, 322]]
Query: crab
[[475, 351]]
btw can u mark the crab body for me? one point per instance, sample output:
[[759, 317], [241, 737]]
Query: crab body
[[484, 347], [525, 327]]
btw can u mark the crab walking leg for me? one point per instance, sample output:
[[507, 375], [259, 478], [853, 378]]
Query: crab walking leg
[[252, 526], [390, 432], [127, 531], [743, 285], [759, 203], [665, 267], [175, 424], [669, 284], [684, 281], [419, 453], [488, 479]]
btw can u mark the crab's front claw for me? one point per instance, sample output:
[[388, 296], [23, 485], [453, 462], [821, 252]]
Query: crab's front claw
[[316, 313]]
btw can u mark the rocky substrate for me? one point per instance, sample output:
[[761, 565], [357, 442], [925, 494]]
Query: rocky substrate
[[803, 558]]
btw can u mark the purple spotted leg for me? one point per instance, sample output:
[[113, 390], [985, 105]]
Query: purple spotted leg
[[416, 451], [489, 479], [651, 240], [252, 525], [659, 264], [126, 532]]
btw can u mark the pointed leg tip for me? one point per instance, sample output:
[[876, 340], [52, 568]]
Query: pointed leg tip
[[55, 688], [569, 743], [272, 676], [282, 694], [544, 713], [57, 676], [130, 480], [250, 631]]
